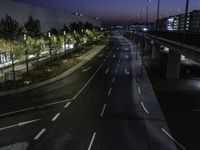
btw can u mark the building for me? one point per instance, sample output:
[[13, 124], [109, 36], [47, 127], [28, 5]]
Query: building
[[176, 23], [49, 17]]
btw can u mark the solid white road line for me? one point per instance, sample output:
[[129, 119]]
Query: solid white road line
[[55, 117], [39, 134], [87, 82], [55, 103], [28, 122], [109, 92], [87, 69], [92, 140], [67, 105], [147, 112], [183, 148], [107, 70], [103, 110], [114, 78], [18, 111], [8, 127], [139, 91]]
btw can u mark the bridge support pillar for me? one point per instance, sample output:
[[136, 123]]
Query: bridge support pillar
[[156, 51], [147, 46], [174, 64]]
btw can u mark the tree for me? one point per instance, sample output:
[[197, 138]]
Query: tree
[[33, 27], [10, 29], [76, 27], [88, 26], [11, 32]]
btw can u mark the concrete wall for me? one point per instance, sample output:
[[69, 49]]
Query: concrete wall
[[48, 17]]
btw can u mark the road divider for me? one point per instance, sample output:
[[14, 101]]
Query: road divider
[[86, 84], [107, 70], [39, 134], [103, 110], [67, 105], [173, 139], [109, 92], [92, 140], [114, 78], [139, 90], [142, 104], [19, 124], [55, 117]]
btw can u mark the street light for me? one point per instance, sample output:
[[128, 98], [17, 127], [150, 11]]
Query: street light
[[185, 21], [26, 53], [147, 11], [64, 33], [49, 36], [158, 15]]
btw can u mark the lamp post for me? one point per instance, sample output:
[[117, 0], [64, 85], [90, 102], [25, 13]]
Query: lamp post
[[50, 52], [26, 53], [158, 15], [147, 11], [185, 21], [64, 33]]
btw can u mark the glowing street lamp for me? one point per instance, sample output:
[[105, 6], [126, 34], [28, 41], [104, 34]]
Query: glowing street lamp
[[49, 36], [26, 53], [147, 11], [185, 20], [64, 33], [158, 15]]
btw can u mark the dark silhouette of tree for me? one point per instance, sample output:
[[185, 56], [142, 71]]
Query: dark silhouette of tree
[[76, 27], [10, 29], [65, 28], [88, 26], [33, 27]]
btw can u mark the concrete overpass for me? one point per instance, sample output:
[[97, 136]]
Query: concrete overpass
[[155, 43]]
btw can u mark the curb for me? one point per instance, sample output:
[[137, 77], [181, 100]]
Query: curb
[[93, 52]]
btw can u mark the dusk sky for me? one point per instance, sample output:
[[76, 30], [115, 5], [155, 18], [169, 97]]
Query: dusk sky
[[118, 10]]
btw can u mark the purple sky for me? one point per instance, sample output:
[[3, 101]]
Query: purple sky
[[118, 10]]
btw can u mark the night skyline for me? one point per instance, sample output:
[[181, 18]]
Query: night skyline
[[123, 11]]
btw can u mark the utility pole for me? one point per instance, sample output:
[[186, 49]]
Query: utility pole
[[147, 11], [158, 15], [185, 23]]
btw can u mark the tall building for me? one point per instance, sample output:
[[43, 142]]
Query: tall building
[[176, 23]]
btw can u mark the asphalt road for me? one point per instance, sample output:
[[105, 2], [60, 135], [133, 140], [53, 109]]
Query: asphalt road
[[93, 109], [179, 100]]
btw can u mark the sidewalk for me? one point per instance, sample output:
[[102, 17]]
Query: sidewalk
[[158, 134], [84, 59]]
